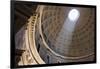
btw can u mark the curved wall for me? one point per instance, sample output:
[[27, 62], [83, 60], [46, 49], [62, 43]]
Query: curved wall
[[82, 42]]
